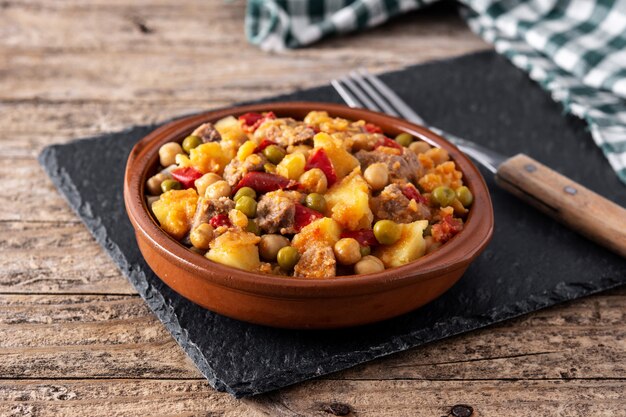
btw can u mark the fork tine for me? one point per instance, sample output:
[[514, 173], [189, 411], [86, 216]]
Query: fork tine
[[380, 101], [392, 97], [345, 94], [365, 100]]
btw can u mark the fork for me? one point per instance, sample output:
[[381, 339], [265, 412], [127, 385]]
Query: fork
[[568, 202]]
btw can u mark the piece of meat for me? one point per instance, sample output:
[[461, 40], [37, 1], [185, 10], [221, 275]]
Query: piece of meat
[[318, 262], [236, 169], [276, 211], [285, 132], [207, 208], [392, 204], [405, 166], [208, 133]]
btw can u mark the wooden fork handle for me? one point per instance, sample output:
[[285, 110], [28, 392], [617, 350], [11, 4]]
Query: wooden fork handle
[[566, 201]]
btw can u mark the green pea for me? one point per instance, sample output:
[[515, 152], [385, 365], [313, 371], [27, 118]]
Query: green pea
[[270, 168], [244, 191], [365, 250], [387, 232], [170, 184], [465, 196], [316, 202], [246, 205], [274, 154], [444, 196], [253, 227], [404, 139], [287, 257], [191, 142]]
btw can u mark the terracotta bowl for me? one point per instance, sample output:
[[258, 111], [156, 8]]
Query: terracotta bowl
[[298, 302]]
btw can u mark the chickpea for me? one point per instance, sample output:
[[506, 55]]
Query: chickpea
[[347, 251], [151, 199], [377, 176], [238, 218], [168, 152], [369, 265], [154, 183], [270, 245], [314, 181], [201, 236], [419, 147], [438, 155], [204, 181], [431, 244], [217, 189]]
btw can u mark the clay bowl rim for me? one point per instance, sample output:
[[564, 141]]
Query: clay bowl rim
[[457, 253]]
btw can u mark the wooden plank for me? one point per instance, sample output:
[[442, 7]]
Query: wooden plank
[[44, 63], [55, 257], [118, 398], [117, 337], [372, 398], [436, 398]]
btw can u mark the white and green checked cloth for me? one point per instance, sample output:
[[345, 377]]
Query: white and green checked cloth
[[575, 49]]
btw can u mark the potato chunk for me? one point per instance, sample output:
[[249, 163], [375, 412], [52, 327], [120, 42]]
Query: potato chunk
[[210, 157], [408, 248], [348, 202], [343, 161], [175, 210], [237, 249], [325, 232]]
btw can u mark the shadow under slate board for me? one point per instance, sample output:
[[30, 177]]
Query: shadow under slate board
[[531, 263]]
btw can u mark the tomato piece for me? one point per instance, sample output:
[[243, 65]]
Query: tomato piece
[[365, 237], [372, 128], [446, 229], [263, 182], [264, 144], [219, 220], [390, 143], [319, 159], [413, 193], [251, 121], [304, 216], [186, 176]]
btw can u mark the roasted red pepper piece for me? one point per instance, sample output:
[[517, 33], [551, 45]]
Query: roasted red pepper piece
[[251, 121], [304, 216], [446, 229], [264, 144], [263, 182], [219, 220], [186, 176], [319, 159], [365, 237], [390, 143], [372, 128], [412, 193]]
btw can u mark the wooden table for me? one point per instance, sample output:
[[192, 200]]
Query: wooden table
[[76, 340]]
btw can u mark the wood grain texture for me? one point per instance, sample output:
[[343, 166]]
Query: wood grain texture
[[566, 201], [75, 340]]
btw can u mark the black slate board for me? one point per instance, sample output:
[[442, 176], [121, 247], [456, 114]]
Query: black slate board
[[531, 263]]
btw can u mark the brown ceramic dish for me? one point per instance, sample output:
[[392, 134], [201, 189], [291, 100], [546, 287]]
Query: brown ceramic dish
[[294, 302]]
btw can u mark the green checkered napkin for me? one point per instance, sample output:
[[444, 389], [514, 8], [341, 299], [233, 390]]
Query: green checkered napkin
[[575, 49]]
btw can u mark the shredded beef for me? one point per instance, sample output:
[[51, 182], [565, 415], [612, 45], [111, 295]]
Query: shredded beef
[[317, 261], [405, 166], [236, 169], [208, 133], [392, 204]]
